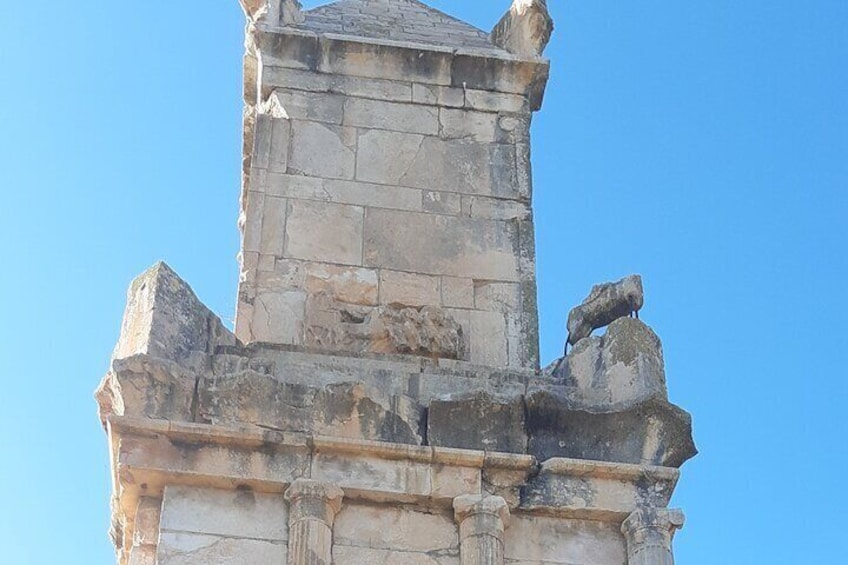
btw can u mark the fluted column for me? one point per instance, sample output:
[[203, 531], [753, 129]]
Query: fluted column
[[649, 532], [312, 509], [482, 520]]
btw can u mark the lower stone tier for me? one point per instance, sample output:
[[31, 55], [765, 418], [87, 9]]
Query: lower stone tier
[[190, 494]]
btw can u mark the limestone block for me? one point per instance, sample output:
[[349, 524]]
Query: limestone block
[[525, 29], [527, 78], [653, 432], [278, 317], [488, 101], [492, 296], [286, 274], [478, 421], [373, 114], [315, 107], [441, 202], [164, 318], [466, 124], [409, 289], [146, 387], [181, 548], [147, 519], [339, 239], [535, 539], [402, 477], [395, 528], [143, 555], [250, 221], [438, 95], [616, 370], [239, 513], [449, 481], [440, 245], [353, 285], [457, 292], [394, 91], [262, 137], [344, 192], [340, 410], [488, 339], [396, 61], [606, 303], [278, 152], [322, 150], [273, 226]]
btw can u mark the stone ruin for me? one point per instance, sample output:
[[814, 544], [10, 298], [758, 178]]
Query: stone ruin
[[380, 400]]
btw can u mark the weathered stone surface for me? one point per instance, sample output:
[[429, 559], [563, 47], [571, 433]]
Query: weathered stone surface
[[181, 548], [342, 410], [654, 432], [613, 371], [541, 540], [339, 239], [426, 331], [352, 285], [649, 532], [395, 528], [322, 150], [164, 319], [147, 387], [605, 304], [409, 289], [478, 421], [525, 29]]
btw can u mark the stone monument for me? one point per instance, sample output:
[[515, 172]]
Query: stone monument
[[380, 399]]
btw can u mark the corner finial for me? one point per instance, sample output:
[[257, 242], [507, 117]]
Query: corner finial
[[525, 29], [283, 12]]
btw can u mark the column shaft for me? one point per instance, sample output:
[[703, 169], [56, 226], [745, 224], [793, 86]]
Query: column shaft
[[482, 520], [313, 508], [649, 533]]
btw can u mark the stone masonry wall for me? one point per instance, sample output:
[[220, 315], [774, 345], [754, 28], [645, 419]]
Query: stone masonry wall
[[364, 194]]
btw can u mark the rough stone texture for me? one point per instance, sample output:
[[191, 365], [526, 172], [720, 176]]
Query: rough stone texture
[[525, 29], [606, 303], [478, 421], [649, 532]]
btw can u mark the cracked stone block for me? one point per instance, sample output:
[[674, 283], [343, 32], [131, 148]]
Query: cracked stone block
[[606, 303], [525, 29]]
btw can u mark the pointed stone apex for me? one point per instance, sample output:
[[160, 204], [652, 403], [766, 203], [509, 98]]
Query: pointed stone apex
[[525, 29]]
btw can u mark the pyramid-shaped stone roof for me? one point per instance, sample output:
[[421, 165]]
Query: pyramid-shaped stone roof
[[396, 20]]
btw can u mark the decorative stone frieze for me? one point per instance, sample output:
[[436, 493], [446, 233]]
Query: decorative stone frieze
[[312, 511], [482, 520], [649, 532]]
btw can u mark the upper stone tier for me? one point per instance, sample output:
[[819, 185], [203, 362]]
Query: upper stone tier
[[386, 205], [396, 20]]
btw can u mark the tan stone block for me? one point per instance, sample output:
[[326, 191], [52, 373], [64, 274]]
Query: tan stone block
[[373, 195], [278, 317], [322, 150], [410, 118], [396, 61], [319, 231], [457, 293], [536, 539], [466, 124], [262, 133], [314, 107], [383, 157], [488, 339], [404, 478], [489, 101], [195, 549], [497, 296], [273, 226], [450, 481], [287, 274], [231, 513], [143, 555], [252, 223], [278, 156], [438, 95], [394, 528], [147, 516], [266, 263], [409, 289], [349, 555], [352, 285], [440, 245]]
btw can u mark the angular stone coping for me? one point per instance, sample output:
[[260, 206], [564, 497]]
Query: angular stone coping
[[149, 454], [478, 69]]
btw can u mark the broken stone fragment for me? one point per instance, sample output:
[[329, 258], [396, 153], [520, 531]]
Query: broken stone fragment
[[613, 371], [606, 303], [525, 29], [164, 319], [478, 421], [286, 12]]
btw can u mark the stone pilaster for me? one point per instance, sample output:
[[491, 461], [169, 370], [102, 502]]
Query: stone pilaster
[[313, 508], [146, 532], [482, 520], [649, 532]]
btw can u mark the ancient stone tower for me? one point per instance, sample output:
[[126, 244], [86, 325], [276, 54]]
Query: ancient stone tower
[[380, 400]]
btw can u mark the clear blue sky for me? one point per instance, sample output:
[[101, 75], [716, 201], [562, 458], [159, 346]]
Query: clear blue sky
[[702, 144]]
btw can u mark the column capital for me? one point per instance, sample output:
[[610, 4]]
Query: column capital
[[648, 522], [470, 504], [310, 499]]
